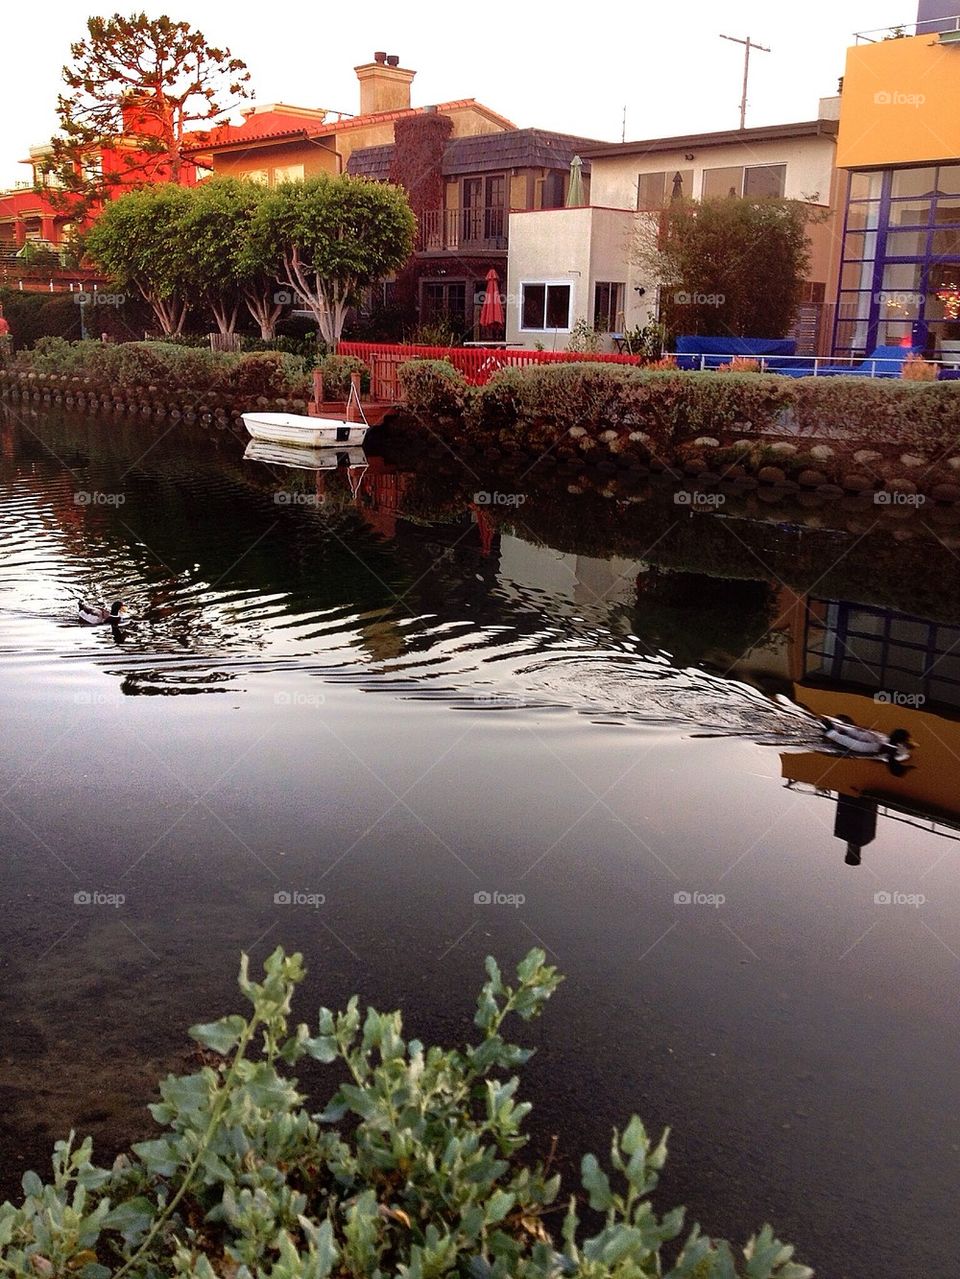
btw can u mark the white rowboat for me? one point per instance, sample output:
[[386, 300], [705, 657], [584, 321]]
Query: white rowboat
[[303, 458], [314, 432], [294, 428]]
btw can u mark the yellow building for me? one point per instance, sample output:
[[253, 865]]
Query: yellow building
[[899, 144]]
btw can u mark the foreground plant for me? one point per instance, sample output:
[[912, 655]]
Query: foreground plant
[[412, 1169]]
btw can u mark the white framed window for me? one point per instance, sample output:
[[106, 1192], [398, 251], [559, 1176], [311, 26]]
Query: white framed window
[[758, 181], [288, 173], [608, 306], [545, 304]]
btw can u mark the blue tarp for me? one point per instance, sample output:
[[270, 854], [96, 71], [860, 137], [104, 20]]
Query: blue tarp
[[717, 351]]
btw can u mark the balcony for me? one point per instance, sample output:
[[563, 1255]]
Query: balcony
[[480, 230]]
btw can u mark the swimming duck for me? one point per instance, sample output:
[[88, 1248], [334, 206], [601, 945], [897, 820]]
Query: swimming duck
[[869, 742], [96, 615]]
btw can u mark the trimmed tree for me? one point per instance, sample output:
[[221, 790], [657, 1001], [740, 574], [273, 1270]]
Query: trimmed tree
[[216, 225], [728, 266], [331, 237], [139, 242], [135, 89]]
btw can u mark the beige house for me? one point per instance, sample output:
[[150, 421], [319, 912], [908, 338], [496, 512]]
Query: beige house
[[570, 265]]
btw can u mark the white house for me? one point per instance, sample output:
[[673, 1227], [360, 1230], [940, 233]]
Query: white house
[[572, 264]]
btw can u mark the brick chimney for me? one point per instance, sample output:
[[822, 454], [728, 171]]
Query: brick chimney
[[384, 84]]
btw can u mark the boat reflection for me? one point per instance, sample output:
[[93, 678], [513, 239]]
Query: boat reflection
[[302, 458]]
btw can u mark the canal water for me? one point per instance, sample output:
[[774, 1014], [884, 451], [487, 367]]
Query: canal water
[[405, 713]]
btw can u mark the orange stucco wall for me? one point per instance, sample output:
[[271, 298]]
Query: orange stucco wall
[[900, 103]]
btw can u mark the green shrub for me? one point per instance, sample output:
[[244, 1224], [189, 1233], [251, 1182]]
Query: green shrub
[[412, 1168], [434, 390], [336, 370], [269, 373], [921, 415]]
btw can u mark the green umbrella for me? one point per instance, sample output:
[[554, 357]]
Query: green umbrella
[[575, 196]]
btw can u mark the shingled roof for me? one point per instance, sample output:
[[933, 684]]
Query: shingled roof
[[485, 152]]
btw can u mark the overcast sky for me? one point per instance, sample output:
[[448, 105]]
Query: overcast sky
[[562, 66]]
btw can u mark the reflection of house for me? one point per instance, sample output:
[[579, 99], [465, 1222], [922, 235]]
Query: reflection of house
[[464, 168], [900, 142], [578, 261]]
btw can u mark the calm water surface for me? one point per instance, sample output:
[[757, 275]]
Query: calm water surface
[[367, 685]]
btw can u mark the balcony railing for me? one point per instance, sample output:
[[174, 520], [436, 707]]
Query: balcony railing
[[473, 230]]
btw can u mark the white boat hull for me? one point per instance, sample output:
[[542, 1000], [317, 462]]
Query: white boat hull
[[294, 428]]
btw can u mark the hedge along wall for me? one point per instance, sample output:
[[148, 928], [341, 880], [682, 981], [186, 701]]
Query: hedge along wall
[[859, 434]]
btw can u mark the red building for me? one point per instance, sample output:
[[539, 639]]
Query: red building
[[27, 212]]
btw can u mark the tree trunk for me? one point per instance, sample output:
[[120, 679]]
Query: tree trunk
[[225, 316], [265, 311]]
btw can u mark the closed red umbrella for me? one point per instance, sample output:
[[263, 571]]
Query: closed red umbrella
[[491, 314]]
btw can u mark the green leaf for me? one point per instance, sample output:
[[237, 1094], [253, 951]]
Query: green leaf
[[323, 1048], [219, 1036], [596, 1183], [32, 1185]]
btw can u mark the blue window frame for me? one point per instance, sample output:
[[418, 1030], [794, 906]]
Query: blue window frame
[[900, 270]]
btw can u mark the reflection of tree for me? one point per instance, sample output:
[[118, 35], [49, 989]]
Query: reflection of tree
[[692, 615]]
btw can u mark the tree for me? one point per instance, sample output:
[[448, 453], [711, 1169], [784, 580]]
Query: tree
[[331, 237], [728, 266], [134, 88], [216, 226], [138, 240]]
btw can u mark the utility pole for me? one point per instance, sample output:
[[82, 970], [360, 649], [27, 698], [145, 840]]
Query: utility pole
[[748, 44], [623, 131]]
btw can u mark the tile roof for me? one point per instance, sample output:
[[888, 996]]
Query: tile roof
[[485, 152], [761, 133], [230, 135]]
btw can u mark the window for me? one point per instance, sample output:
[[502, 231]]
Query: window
[[756, 181], [444, 300], [608, 307], [260, 176], [552, 190], [288, 173], [764, 181], [545, 306], [656, 190]]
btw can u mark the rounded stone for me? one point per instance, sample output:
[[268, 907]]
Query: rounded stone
[[577, 432], [954, 464], [912, 460], [822, 452], [856, 483], [945, 493], [706, 442], [863, 457], [771, 475], [900, 484], [742, 446], [784, 447], [830, 490], [811, 478]]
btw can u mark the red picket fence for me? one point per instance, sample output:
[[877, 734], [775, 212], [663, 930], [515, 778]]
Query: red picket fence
[[477, 363]]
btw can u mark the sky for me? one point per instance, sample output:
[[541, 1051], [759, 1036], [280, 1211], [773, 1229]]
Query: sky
[[570, 67]]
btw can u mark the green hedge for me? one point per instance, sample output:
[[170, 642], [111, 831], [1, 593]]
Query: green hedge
[[538, 405], [130, 366]]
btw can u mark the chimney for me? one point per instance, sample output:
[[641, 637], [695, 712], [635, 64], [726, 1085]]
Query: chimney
[[384, 84]]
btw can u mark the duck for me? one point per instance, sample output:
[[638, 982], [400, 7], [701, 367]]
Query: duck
[[96, 615], [869, 742]]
